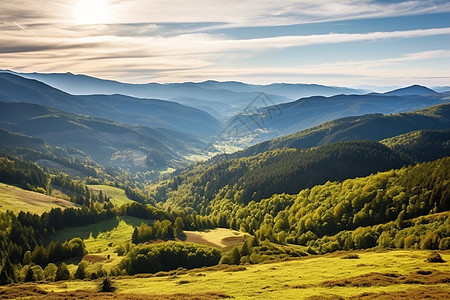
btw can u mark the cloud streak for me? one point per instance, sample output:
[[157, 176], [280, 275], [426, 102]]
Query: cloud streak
[[171, 40]]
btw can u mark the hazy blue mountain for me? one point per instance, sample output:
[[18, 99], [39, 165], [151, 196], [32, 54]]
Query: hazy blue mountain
[[295, 91], [366, 127], [107, 142], [277, 120], [125, 109], [418, 90], [227, 98], [441, 89]]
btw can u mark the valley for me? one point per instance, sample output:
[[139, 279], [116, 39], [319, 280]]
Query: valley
[[224, 150]]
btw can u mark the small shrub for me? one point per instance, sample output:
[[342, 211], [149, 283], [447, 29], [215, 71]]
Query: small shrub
[[107, 286], [435, 258], [351, 256]]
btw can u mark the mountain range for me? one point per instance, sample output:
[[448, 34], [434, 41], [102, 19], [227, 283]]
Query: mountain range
[[124, 109], [222, 99], [154, 133], [365, 127], [278, 120]]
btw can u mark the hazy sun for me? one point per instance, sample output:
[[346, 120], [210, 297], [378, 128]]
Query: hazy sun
[[92, 11]]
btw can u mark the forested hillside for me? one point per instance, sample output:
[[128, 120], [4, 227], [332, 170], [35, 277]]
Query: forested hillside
[[351, 212], [419, 145], [370, 127], [277, 171]]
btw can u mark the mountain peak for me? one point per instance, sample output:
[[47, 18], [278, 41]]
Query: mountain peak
[[415, 89]]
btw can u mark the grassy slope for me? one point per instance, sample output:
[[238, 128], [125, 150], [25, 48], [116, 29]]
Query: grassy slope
[[103, 238], [220, 237], [296, 279], [17, 199], [117, 195]]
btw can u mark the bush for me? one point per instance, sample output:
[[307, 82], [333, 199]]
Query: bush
[[62, 273], [107, 286], [435, 258]]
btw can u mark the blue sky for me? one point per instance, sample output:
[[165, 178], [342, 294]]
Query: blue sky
[[347, 43]]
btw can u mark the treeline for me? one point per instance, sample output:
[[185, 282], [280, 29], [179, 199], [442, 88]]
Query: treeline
[[273, 172], [168, 256], [327, 210], [31, 232]]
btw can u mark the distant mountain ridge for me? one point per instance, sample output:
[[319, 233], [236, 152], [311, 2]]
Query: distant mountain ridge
[[124, 109], [412, 90], [366, 127], [234, 95], [287, 118]]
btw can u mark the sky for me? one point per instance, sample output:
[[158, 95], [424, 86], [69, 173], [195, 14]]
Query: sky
[[344, 43]]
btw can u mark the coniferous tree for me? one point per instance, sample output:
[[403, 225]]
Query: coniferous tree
[[80, 273], [29, 276], [62, 273], [7, 274]]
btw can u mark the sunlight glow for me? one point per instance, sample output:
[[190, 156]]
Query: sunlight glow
[[92, 11]]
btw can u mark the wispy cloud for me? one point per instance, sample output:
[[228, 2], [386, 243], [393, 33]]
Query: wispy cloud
[[170, 40]]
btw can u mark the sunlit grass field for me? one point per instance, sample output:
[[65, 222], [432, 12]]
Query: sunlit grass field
[[16, 199], [117, 195], [294, 279]]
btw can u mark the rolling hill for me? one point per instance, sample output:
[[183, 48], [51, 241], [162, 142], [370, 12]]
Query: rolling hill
[[273, 121], [366, 127], [279, 171], [107, 142], [125, 109]]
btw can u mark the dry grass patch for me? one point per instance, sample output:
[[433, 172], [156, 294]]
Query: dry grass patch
[[427, 277], [410, 294], [32, 291], [220, 238], [17, 199]]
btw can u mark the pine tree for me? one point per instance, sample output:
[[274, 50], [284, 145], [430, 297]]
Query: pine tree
[[30, 275], [62, 273], [80, 273], [107, 286], [135, 236], [7, 274]]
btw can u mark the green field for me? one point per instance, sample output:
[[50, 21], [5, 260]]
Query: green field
[[398, 273], [102, 240], [117, 195], [17, 199]]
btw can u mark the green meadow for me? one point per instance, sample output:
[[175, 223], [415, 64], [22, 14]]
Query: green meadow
[[117, 195], [391, 274]]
